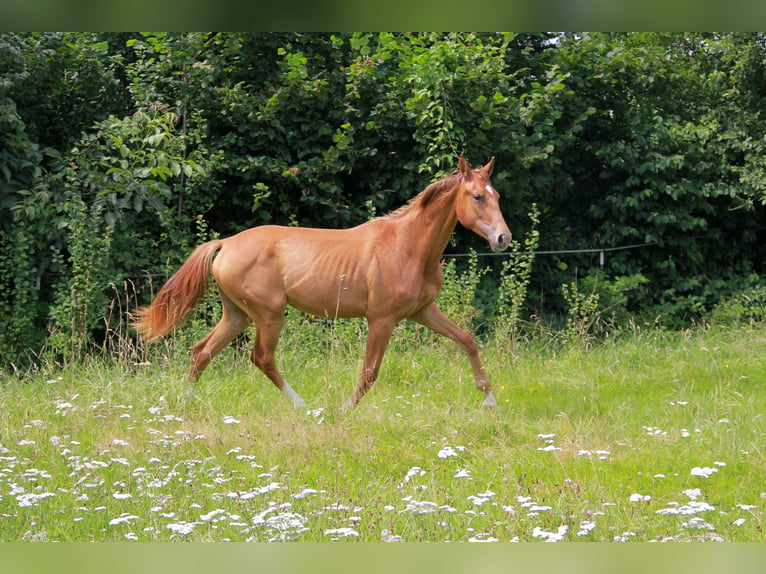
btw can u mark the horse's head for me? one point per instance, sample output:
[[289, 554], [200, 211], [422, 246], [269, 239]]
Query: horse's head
[[478, 207]]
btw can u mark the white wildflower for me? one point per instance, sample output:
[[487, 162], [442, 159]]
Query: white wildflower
[[31, 499], [306, 491], [483, 537], [344, 532], [446, 452], [585, 527], [550, 536], [212, 514], [182, 528], [704, 472], [387, 536], [692, 507], [640, 497], [123, 518], [698, 523], [419, 506], [624, 536]]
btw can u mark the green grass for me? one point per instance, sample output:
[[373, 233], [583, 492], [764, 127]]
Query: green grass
[[587, 445]]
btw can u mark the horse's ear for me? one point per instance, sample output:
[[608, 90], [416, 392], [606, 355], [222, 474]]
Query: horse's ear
[[487, 169], [465, 169]]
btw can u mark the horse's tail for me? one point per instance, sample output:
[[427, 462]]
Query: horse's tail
[[179, 296]]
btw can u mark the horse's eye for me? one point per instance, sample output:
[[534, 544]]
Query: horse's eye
[[478, 198]]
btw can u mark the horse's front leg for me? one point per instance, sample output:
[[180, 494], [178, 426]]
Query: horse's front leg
[[379, 334], [433, 318]]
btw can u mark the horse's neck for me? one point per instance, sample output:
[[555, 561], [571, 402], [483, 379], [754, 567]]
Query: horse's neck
[[429, 229]]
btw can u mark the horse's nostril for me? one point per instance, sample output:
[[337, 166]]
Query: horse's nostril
[[501, 239]]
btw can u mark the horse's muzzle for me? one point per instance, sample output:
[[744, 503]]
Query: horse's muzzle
[[500, 241]]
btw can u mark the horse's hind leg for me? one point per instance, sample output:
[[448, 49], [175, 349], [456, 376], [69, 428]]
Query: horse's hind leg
[[233, 322], [268, 326]]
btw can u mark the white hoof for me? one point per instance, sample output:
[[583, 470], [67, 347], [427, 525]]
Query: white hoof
[[489, 401], [188, 396], [294, 397]]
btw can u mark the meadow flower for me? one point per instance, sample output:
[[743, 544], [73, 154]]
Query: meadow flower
[[549, 448], [419, 506], [483, 537], [229, 420], [693, 493], [212, 514], [624, 536], [387, 536], [182, 528], [414, 471], [481, 498], [63, 407], [285, 525], [739, 521], [446, 452], [705, 471], [550, 536], [253, 492], [692, 507], [344, 532], [639, 498], [463, 473], [123, 518], [306, 491], [31, 499], [585, 527], [698, 523]]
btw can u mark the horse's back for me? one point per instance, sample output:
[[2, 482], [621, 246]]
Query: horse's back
[[320, 271]]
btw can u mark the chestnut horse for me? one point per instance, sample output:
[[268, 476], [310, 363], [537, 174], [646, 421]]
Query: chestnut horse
[[385, 270]]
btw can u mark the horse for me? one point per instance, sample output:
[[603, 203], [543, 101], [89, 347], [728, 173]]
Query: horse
[[385, 270]]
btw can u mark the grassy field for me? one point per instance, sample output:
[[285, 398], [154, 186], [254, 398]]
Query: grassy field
[[654, 436]]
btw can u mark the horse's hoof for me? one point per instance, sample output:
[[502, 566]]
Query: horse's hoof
[[489, 402]]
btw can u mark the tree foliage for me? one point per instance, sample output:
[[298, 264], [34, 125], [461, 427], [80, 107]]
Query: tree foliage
[[118, 152]]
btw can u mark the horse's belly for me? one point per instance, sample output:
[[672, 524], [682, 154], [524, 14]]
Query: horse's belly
[[339, 297]]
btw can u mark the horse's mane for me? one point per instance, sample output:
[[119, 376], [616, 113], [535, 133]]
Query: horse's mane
[[428, 195]]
